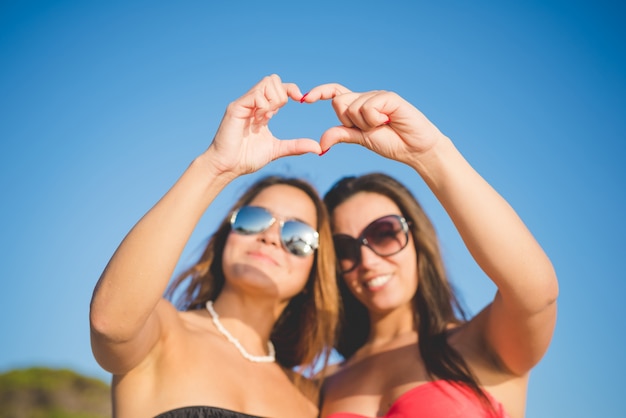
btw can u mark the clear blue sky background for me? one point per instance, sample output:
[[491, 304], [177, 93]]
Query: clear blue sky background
[[103, 105]]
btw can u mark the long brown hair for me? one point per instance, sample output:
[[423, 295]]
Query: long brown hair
[[435, 304], [307, 326]]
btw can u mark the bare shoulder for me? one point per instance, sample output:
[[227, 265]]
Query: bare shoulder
[[185, 321], [194, 320]]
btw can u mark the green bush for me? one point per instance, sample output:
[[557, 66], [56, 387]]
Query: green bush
[[40, 392]]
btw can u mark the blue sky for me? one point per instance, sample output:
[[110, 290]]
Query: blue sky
[[103, 105]]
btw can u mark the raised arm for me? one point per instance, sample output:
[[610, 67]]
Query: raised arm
[[127, 310], [518, 325]]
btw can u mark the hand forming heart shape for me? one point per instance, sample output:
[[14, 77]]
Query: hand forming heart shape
[[379, 120]]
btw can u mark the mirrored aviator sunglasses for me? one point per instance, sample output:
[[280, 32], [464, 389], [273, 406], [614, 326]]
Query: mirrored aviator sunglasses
[[296, 237], [385, 236]]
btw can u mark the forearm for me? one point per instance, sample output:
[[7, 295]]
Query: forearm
[[494, 234], [139, 271]]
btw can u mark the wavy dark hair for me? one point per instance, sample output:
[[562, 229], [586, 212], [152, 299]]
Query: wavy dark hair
[[435, 304], [307, 326]]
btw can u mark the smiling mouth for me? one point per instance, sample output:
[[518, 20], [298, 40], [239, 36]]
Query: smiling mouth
[[377, 282]]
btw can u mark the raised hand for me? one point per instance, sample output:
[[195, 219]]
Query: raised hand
[[244, 143], [379, 120]]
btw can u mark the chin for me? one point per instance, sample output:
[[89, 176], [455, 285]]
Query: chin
[[251, 276]]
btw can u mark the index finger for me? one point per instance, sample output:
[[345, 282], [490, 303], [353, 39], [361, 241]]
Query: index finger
[[293, 91], [324, 92]]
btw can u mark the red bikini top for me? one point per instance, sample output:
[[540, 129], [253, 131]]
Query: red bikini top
[[438, 399]]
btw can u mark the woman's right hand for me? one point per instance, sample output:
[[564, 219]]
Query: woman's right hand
[[244, 143]]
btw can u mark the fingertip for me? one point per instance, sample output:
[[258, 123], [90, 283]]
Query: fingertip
[[304, 97], [293, 91], [299, 146]]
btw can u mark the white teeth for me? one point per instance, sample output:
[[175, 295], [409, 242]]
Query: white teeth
[[378, 281]]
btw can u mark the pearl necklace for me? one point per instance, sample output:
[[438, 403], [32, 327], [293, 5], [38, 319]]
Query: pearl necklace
[[270, 358]]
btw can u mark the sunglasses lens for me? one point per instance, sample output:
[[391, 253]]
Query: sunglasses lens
[[348, 252], [299, 238], [386, 236], [251, 220]]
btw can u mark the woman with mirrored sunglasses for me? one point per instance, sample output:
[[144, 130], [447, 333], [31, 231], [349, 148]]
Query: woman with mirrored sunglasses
[[408, 348], [258, 306]]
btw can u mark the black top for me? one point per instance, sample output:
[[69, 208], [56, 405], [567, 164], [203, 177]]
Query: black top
[[203, 412]]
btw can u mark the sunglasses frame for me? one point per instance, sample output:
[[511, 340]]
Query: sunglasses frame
[[311, 247], [361, 241]]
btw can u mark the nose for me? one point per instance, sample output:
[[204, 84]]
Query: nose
[[369, 258], [271, 235]]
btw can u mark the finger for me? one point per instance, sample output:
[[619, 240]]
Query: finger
[[374, 110], [260, 105], [324, 92], [352, 106], [370, 110], [299, 146], [348, 109], [246, 105], [293, 91], [341, 105], [340, 134], [275, 92]]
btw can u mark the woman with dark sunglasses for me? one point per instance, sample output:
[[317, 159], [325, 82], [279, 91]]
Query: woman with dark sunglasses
[[260, 302], [408, 349]]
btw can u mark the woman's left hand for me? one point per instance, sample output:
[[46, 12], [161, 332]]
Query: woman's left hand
[[379, 120]]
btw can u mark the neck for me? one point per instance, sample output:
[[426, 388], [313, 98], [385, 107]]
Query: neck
[[388, 327], [250, 320], [269, 358]]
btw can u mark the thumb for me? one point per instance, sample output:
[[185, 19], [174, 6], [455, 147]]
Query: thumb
[[299, 146], [339, 134]]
